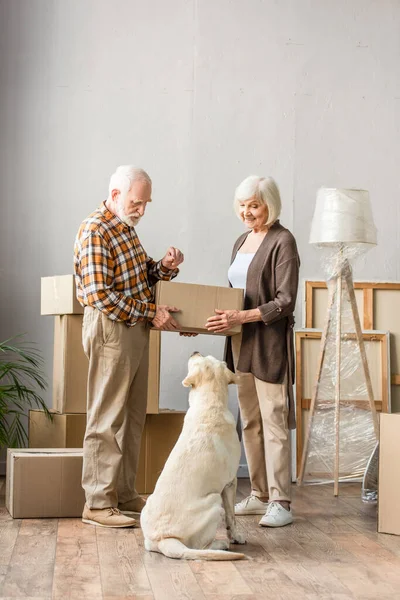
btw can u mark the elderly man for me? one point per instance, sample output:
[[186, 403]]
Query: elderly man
[[114, 279]]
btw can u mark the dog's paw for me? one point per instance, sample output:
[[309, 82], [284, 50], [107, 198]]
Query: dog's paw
[[238, 538], [220, 545]]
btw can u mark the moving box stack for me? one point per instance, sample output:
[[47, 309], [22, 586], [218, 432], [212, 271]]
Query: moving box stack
[[45, 479]]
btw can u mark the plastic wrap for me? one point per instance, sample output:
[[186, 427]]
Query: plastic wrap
[[353, 421], [369, 490]]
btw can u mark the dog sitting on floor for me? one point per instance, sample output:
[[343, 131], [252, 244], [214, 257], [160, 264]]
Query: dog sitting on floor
[[181, 517]]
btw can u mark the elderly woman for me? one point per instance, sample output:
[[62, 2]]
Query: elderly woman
[[265, 263]]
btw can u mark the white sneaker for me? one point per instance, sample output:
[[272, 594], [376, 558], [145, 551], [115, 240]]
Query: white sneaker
[[276, 516], [251, 506]]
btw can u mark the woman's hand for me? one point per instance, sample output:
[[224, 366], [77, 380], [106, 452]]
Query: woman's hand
[[224, 320]]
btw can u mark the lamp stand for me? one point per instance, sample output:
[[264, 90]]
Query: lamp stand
[[343, 281]]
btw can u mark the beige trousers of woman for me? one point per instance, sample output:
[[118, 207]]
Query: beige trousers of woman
[[266, 436]]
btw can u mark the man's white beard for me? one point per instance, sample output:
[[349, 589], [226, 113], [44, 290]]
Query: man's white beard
[[129, 220]]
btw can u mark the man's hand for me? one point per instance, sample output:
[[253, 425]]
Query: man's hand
[[164, 320], [187, 334], [224, 320], [173, 258]]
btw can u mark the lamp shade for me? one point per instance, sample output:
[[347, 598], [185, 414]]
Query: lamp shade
[[342, 217]]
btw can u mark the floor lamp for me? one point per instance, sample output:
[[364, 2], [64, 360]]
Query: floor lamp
[[343, 226]]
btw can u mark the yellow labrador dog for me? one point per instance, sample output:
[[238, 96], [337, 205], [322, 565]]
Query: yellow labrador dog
[[181, 517]]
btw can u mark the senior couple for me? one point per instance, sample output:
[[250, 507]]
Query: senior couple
[[114, 282]]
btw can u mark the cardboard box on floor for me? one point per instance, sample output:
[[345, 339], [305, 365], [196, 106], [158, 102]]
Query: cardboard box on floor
[[198, 302], [58, 296], [44, 483], [160, 435], [70, 367], [64, 431], [389, 474]]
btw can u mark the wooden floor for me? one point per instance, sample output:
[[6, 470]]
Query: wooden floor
[[331, 551]]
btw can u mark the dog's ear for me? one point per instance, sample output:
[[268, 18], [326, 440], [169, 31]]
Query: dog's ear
[[192, 377], [231, 377]]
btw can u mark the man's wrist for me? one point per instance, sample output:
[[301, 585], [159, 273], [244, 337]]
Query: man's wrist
[[164, 267], [151, 311]]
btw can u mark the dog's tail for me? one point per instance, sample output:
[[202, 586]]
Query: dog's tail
[[173, 548]]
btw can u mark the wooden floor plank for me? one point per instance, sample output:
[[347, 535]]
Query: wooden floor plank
[[261, 596], [3, 572], [269, 579], [25, 598], [77, 569], [315, 579], [36, 542], [361, 522], [219, 578], [121, 566], [169, 578], [131, 597], [30, 579], [253, 548], [331, 524], [363, 548], [317, 545], [363, 581], [391, 542], [9, 530], [31, 567]]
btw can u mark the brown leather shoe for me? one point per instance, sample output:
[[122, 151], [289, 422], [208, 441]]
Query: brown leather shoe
[[106, 517], [133, 506]]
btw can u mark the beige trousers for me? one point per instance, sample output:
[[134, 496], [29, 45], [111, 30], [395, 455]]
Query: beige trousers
[[266, 436], [116, 407]]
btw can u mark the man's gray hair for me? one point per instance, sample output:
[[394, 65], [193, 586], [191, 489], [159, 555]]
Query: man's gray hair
[[124, 177], [263, 189]]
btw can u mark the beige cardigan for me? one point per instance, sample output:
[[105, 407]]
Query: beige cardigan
[[272, 281]]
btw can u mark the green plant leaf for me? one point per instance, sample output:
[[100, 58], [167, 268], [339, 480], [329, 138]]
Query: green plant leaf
[[21, 381]]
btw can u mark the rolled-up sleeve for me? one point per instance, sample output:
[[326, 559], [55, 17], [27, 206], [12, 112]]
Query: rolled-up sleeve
[[287, 280], [157, 271]]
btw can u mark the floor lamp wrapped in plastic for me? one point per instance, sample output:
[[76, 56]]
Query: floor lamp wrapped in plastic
[[342, 426]]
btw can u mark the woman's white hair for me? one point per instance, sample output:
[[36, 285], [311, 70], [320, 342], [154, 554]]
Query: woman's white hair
[[124, 177], [263, 189]]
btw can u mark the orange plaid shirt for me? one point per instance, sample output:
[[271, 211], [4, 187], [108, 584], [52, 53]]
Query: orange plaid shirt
[[112, 270]]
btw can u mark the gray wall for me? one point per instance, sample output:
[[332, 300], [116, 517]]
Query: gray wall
[[201, 94]]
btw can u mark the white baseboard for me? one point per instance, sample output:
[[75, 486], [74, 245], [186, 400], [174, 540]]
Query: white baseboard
[[243, 472]]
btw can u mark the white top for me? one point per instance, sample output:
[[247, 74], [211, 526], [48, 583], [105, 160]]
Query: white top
[[237, 273]]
